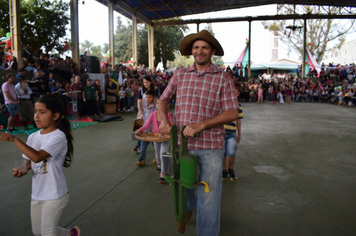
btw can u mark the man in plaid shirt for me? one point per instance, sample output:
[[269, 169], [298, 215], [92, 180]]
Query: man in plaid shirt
[[205, 99]]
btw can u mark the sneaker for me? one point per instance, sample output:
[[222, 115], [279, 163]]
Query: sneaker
[[75, 231], [232, 175], [136, 148], [158, 168], [128, 110], [224, 175], [161, 180], [140, 163]]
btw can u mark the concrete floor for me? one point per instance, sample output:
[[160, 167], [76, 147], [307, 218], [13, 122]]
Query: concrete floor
[[296, 167]]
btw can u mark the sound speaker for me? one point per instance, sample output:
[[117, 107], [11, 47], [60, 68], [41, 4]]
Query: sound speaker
[[93, 64]]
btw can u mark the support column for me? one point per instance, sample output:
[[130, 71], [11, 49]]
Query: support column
[[304, 46], [111, 33], [249, 51], [74, 25], [15, 30], [150, 47], [198, 27], [134, 40]]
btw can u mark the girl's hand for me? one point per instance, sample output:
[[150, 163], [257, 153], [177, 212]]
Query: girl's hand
[[19, 172], [7, 137], [138, 132]]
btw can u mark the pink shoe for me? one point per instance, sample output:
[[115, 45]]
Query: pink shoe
[[75, 231]]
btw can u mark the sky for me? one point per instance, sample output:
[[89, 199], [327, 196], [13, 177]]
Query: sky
[[93, 26]]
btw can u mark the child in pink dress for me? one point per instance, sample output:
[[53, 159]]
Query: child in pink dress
[[160, 147]]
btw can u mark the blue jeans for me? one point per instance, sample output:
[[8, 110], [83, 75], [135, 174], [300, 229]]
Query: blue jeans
[[230, 145], [128, 103], [208, 204], [143, 148]]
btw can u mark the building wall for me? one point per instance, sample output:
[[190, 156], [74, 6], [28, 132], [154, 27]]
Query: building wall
[[345, 55]]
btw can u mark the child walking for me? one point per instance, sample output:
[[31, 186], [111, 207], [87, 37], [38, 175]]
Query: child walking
[[46, 151], [230, 145], [160, 147]]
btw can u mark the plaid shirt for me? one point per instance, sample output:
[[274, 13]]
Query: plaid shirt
[[200, 97]]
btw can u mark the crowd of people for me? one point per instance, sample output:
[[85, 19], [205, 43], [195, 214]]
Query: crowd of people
[[330, 87]]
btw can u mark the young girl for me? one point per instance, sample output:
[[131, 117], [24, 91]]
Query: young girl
[[122, 95], [160, 147], [46, 151]]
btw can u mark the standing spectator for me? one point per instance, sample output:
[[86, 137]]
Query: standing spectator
[[99, 90], [76, 90], [11, 100], [135, 87], [25, 104], [205, 99], [111, 92], [122, 96], [90, 96], [129, 96]]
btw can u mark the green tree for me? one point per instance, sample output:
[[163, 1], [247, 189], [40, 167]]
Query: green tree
[[105, 48], [43, 23], [215, 59], [166, 42], [86, 47], [180, 61], [321, 34], [123, 42], [96, 51], [142, 45]]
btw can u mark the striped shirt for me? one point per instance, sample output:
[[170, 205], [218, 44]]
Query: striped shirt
[[231, 126], [199, 97]]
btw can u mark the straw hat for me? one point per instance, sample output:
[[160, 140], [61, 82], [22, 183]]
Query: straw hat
[[186, 44]]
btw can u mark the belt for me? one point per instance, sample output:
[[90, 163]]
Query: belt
[[24, 99]]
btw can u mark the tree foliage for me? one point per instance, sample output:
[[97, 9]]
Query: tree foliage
[[181, 61], [86, 47], [123, 42], [96, 51], [322, 34], [166, 42], [43, 23]]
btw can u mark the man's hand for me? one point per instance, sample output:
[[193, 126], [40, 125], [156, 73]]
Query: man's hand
[[164, 127], [190, 130]]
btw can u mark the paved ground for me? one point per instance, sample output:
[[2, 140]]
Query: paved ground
[[296, 170]]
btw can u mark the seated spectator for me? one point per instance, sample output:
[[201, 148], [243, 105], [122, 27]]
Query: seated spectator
[[111, 93], [324, 95], [316, 95], [38, 73], [13, 64]]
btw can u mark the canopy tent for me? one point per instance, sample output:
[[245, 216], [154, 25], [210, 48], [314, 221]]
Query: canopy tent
[[242, 60]]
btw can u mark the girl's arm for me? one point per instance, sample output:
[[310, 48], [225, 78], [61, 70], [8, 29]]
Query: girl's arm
[[32, 154], [146, 125]]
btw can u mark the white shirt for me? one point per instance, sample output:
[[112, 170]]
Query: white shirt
[[48, 181]]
